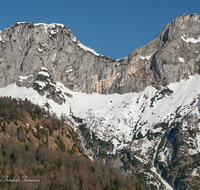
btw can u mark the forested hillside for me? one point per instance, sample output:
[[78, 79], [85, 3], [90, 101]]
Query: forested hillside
[[40, 151]]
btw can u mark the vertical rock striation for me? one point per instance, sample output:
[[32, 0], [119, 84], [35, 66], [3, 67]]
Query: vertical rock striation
[[172, 55]]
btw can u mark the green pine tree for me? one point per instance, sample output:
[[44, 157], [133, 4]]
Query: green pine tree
[[4, 127], [81, 184]]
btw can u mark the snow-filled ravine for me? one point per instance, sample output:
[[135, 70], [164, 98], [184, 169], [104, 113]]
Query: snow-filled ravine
[[119, 118], [168, 187]]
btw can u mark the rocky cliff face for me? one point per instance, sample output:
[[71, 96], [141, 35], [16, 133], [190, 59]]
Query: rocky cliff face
[[158, 127], [172, 55]]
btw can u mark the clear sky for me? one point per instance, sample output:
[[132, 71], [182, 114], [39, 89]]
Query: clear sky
[[111, 27]]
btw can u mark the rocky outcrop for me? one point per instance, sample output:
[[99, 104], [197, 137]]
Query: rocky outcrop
[[170, 56], [150, 128]]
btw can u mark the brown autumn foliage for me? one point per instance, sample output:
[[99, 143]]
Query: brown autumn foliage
[[44, 167]]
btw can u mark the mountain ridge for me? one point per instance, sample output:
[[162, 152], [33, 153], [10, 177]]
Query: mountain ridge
[[54, 46], [139, 113]]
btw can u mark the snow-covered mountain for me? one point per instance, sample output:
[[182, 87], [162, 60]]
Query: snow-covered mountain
[[141, 112]]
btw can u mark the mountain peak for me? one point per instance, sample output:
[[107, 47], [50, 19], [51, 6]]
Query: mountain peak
[[145, 109], [52, 25], [169, 57], [188, 24]]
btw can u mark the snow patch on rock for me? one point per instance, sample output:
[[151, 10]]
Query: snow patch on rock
[[190, 40]]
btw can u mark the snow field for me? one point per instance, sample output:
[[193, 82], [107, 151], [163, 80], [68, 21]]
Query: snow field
[[118, 117]]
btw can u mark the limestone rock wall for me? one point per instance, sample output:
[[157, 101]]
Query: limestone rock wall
[[172, 55]]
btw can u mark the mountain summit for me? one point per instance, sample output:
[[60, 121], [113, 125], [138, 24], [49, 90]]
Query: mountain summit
[[172, 55], [141, 113]]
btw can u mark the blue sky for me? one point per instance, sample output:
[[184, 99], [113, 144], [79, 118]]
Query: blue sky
[[111, 27]]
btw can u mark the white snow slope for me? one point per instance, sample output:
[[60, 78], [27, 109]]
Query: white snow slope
[[118, 117]]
